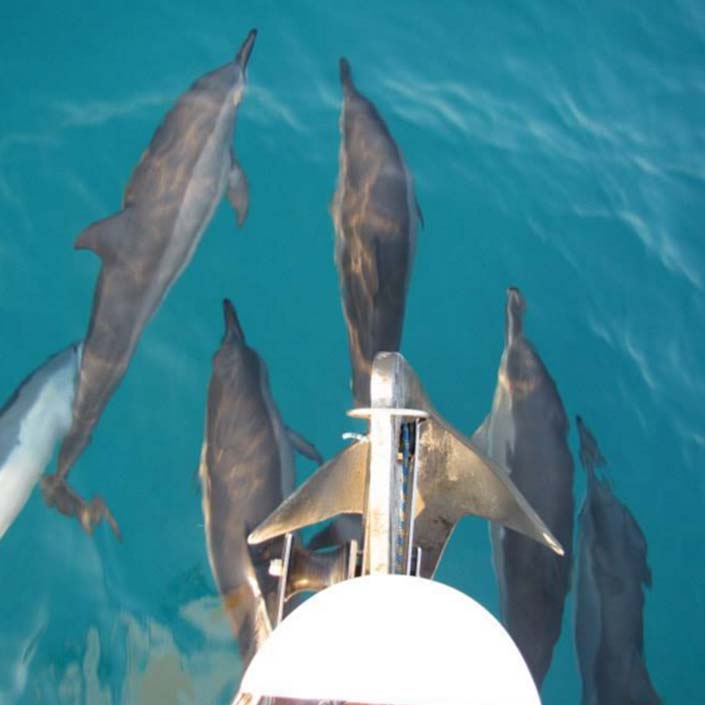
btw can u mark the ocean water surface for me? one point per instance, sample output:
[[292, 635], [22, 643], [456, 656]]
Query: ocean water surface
[[556, 147]]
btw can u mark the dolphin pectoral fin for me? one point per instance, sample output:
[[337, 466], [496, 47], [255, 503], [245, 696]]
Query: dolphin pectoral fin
[[200, 474], [637, 547], [640, 688], [59, 495], [105, 237], [306, 448], [590, 455], [419, 213], [471, 484], [479, 438], [335, 488], [238, 190]]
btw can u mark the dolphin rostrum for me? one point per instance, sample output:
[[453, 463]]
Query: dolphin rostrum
[[612, 573], [168, 202], [525, 432], [32, 421], [375, 216], [246, 469]]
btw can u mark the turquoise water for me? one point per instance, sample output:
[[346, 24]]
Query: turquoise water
[[557, 147]]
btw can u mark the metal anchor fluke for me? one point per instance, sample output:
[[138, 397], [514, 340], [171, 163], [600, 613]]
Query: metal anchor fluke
[[412, 478]]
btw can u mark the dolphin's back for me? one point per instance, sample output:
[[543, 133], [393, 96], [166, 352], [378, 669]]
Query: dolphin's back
[[613, 572], [618, 556], [526, 431], [536, 580], [374, 211], [169, 161], [243, 453], [241, 471], [375, 166], [588, 616]]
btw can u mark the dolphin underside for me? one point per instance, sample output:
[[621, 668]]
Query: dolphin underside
[[375, 216]]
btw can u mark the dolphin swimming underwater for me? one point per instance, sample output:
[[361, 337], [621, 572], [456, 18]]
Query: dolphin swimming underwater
[[609, 612], [247, 469], [168, 202], [375, 215], [525, 432], [32, 421]]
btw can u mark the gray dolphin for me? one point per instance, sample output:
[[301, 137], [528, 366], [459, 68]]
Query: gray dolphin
[[375, 216], [247, 469], [168, 203], [525, 432], [612, 573], [32, 421]]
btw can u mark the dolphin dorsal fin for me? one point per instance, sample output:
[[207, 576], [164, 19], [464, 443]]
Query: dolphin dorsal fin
[[338, 487], [105, 237]]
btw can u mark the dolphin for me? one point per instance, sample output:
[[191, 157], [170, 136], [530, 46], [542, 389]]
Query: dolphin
[[525, 432], [168, 202], [612, 573], [375, 215], [246, 470], [32, 421]]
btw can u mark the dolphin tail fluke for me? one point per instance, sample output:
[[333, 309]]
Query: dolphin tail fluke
[[105, 237], [335, 488], [59, 495], [238, 190], [471, 484], [590, 455], [243, 54]]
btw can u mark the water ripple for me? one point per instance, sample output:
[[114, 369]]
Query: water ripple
[[264, 107], [92, 113]]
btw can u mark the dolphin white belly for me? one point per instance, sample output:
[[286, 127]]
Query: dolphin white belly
[[43, 424]]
